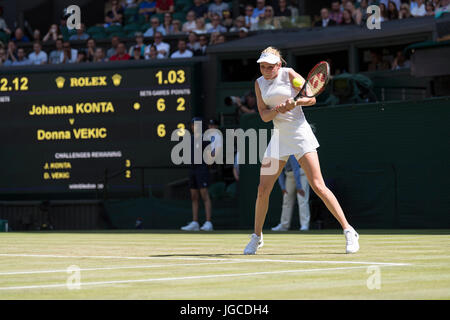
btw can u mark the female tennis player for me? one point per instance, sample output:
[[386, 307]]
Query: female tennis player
[[293, 136]]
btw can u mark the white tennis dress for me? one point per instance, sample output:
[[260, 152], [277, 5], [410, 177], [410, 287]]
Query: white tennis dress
[[294, 135]]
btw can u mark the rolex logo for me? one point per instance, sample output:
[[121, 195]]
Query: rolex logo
[[60, 82], [116, 79]]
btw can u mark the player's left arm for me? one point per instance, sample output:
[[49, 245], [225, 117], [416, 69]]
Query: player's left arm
[[301, 101]]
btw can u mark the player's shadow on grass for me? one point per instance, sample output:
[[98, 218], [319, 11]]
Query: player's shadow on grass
[[241, 254]]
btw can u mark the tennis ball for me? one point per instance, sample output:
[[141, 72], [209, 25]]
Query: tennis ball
[[297, 82]]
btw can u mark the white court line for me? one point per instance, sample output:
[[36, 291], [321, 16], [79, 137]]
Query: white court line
[[203, 259], [178, 278], [115, 268]]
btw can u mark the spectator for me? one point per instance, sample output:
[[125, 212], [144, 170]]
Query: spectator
[[386, 3], [220, 39], [227, 21], [162, 47], [250, 21], [80, 35], [11, 53], [112, 51], [347, 18], [377, 62], [136, 53], [163, 6], [152, 53], [115, 15], [3, 61], [404, 11], [36, 35], [268, 22], [56, 56], [100, 55], [190, 24], [182, 51], [213, 38], [247, 105], [383, 12], [37, 56], [282, 10], [418, 8], [429, 7], [444, 6], [400, 61], [294, 186], [139, 42], [243, 32], [200, 9], [239, 23], [217, 8], [392, 11], [362, 11], [131, 4], [193, 43], [90, 50], [147, 8], [177, 27], [200, 26], [21, 58], [3, 25], [81, 57], [20, 37], [336, 13], [121, 53], [63, 28], [52, 34], [69, 55], [155, 27], [356, 15], [258, 12], [325, 19], [167, 23], [203, 40], [198, 180], [215, 24]]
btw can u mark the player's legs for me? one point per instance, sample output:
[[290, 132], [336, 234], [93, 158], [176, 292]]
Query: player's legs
[[270, 170], [288, 201], [195, 203], [207, 202], [303, 202], [310, 164]]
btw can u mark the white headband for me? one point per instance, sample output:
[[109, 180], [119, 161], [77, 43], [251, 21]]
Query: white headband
[[269, 58]]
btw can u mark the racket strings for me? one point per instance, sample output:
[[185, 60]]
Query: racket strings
[[317, 79]]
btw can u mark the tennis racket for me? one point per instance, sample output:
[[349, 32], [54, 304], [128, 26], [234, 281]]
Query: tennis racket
[[316, 81]]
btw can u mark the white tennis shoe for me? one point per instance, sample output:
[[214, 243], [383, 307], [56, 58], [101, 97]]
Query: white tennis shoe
[[351, 240], [254, 244], [192, 226], [207, 226]]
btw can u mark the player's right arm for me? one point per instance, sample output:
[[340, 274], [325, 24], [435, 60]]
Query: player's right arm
[[264, 111]]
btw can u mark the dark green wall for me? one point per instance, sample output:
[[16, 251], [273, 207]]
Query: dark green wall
[[389, 164]]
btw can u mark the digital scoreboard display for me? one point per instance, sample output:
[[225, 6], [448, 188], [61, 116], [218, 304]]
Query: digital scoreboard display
[[62, 129]]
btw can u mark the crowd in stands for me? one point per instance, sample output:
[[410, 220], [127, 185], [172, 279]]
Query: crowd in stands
[[197, 24], [354, 12]]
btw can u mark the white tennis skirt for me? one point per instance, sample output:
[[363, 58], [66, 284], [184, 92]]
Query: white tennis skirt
[[285, 142]]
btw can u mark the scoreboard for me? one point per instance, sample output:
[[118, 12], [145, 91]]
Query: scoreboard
[[62, 129]]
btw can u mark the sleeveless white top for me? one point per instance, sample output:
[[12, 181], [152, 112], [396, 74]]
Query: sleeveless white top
[[294, 136], [277, 91]]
